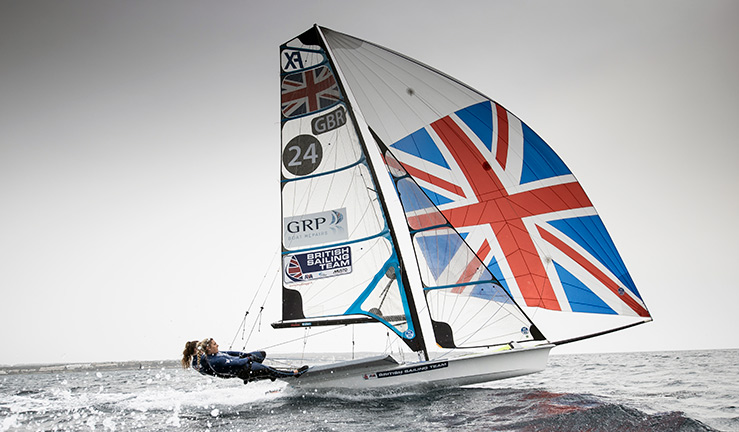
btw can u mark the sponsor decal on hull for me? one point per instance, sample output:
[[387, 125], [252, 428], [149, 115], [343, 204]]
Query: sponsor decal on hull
[[407, 370]]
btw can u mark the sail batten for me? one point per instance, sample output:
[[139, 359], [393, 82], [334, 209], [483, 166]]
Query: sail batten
[[337, 170]]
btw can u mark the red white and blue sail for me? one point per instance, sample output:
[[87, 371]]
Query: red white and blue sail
[[491, 178], [520, 208]]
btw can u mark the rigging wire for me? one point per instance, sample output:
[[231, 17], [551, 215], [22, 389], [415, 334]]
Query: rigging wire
[[306, 333], [242, 326], [302, 337], [258, 321]]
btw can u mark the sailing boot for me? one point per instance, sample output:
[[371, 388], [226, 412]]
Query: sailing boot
[[301, 371]]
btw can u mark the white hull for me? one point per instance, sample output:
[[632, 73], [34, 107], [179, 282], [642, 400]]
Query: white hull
[[385, 372]]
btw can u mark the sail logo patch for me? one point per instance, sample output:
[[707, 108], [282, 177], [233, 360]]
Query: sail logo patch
[[312, 229], [296, 59], [325, 123], [292, 60], [318, 264]]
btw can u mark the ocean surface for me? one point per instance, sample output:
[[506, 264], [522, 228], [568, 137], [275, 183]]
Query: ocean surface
[[655, 391]]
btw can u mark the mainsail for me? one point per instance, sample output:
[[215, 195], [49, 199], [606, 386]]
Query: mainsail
[[341, 263], [499, 225]]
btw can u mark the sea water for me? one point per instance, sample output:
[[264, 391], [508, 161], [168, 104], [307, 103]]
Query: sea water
[[656, 391]]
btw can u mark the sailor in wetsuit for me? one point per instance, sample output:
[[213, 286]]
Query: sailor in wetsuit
[[205, 358]]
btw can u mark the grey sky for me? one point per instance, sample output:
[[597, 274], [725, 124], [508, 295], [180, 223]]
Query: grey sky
[[139, 154]]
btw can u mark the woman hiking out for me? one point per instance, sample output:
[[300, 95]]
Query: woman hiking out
[[205, 358]]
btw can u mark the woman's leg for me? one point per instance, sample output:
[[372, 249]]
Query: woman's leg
[[258, 356], [259, 370]]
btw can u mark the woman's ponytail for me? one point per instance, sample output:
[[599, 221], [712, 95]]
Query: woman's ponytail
[[191, 348]]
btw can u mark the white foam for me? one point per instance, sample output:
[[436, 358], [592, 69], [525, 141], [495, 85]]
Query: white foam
[[207, 394], [10, 421]]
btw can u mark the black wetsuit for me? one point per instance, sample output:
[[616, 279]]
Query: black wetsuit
[[236, 364]]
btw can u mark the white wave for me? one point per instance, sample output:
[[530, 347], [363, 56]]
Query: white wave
[[207, 394]]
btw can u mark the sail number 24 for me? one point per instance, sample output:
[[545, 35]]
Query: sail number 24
[[302, 155]]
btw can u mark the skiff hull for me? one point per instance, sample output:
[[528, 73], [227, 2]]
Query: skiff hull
[[385, 372]]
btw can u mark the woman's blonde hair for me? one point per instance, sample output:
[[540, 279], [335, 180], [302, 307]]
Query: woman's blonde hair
[[203, 344]]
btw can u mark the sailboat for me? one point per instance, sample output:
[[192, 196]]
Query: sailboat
[[411, 200]]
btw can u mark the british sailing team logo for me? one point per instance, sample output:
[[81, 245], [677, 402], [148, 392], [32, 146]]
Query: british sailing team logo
[[318, 264]]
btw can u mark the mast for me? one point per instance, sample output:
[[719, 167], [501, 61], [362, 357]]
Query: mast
[[375, 160]]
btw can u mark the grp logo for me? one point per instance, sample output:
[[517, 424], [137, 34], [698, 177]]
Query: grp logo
[[314, 228]]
